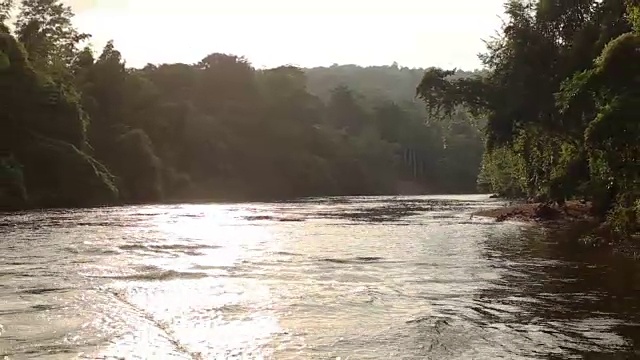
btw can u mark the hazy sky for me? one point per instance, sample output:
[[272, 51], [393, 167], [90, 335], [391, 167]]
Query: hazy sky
[[415, 33]]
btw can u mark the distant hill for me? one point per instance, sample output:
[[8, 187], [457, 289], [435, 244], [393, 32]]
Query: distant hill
[[376, 83]]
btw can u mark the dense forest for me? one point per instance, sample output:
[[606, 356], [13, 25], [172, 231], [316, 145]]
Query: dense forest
[[83, 129], [377, 83], [561, 99]]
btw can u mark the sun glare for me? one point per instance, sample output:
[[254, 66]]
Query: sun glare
[[304, 33]]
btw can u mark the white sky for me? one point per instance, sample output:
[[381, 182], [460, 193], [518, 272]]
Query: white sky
[[415, 33]]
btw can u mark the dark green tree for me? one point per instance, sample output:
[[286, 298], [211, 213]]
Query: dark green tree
[[45, 29]]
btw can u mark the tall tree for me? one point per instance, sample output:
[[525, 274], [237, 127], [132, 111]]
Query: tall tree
[[45, 29]]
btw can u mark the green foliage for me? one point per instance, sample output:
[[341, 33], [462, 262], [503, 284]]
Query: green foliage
[[612, 136], [445, 155], [503, 172], [561, 98], [138, 167], [59, 174], [13, 193], [633, 15], [45, 29], [43, 125], [377, 83], [6, 9], [86, 130], [5, 63]]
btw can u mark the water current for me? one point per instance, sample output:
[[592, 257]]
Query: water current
[[327, 278]]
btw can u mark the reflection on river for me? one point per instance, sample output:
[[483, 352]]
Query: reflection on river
[[357, 278]]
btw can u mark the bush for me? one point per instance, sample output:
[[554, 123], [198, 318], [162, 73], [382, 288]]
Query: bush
[[13, 194]]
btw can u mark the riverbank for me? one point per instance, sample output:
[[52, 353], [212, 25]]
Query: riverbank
[[572, 212], [228, 195], [575, 221]]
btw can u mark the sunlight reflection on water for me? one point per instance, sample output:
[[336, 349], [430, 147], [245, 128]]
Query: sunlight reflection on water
[[217, 316]]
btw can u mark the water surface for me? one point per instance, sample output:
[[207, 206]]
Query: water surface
[[349, 278]]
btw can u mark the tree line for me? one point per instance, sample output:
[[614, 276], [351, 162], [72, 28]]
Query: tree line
[[80, 129], [561, 99]]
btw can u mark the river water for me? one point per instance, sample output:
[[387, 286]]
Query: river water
[[348, 278]]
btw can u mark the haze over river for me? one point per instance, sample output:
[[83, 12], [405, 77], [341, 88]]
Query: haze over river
[[354, 278]]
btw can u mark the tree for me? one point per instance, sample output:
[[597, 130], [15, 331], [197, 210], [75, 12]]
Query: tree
[[560, 99], [226, 85], [78, 129], [45, 29], [344, 111], [6, 8], [43, 129]]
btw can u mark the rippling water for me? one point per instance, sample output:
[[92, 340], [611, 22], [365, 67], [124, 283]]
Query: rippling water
[[349, 278]]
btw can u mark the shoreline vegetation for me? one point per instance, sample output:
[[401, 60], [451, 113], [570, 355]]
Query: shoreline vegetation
[[576, 220], [79, 128], [560, 95]]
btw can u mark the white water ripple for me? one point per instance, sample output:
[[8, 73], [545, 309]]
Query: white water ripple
[[349, 278]]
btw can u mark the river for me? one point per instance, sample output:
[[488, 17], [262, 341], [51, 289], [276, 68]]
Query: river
[[347, 278]]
